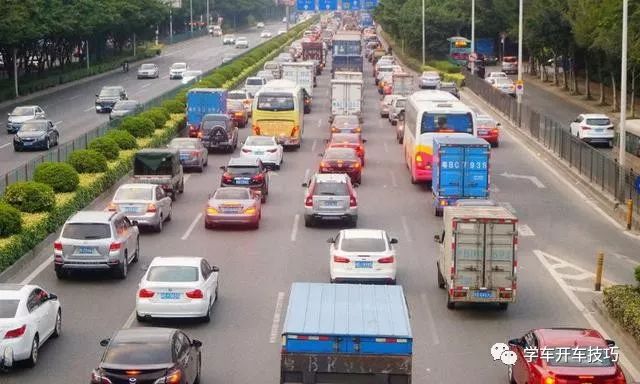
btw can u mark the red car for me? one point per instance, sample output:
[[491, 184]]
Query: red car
[[564, 356], [345, 124], [342, 160], [348, 140], [237, 112], [488, 130]]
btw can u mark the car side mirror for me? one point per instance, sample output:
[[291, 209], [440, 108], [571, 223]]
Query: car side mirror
[[104, 342], [393, 241], [52, 296], [498, 124], [306, 185], [326, 140], [96, 95], [331, 240], [610, 343], [196, 343], [364, 140], [215, 268], [515, 343]]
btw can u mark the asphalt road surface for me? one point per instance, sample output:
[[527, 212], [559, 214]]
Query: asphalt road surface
[[559, 232], [73, 108]]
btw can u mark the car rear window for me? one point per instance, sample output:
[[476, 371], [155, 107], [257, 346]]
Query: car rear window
[[243, 170], [86, 231], [134, 194], [340, 154], [259, 141], [363, 245], [330, 189], [254, 81], [229, 193], [8, 308], [567, 357], [184, 144], [173, 273], [510, 60], [137, 354], [236, 96], [338, 138], [401, 103], [598, 122], [235, 104]]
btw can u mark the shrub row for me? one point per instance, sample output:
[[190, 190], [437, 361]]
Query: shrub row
[[623, 305], [63, 177], [444, 66], [457, 78]]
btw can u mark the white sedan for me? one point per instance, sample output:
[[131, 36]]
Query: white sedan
[[362, 255], [266, 35], [29, 316], [495, 75], [266, 148], [177, 287]]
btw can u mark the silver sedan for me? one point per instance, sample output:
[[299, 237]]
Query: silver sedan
[[148, 71], [147, 204], [192, 152]]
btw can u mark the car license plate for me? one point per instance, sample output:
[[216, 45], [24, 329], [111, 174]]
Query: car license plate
[[27, 143], [330, 203], [259, 153], [169, 295], [85, 250], [483, 294], [364, 264], [242, 181], [184, 157], [599, 130]]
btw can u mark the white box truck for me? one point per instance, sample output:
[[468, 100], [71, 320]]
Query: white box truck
[[341, 75], [300, 73], [402, 84], [346, 98], [477, 257]]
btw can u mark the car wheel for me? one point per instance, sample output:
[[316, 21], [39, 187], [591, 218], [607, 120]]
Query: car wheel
[[495, 145], [158, 227], [60, 274], [16, 148], [201, 168], [503, 306], [257, 224], [181, 189], [47, 143], [263, 199], [33, 356], [208, 225], [57, 330], [123, 268], [441, 282], [308, 221], [136, 257], [206, 161], [207, 317], [450, 304]]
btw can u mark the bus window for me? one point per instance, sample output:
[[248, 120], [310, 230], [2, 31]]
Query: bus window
[[267, 102], [446, 123]]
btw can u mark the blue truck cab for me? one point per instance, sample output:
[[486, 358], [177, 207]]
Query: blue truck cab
[[460, 169], [346, 53], [346, 329], [204, 101]]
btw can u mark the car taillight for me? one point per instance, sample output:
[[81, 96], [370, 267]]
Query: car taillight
[[357, 130], [200, 135], [352, 201], [151, 208], [584, 128], [97, 378], [421, 160], [238, 114], [194, 153], [494, 131], [548, 380], [256, 129], [145, 293], [360, 148], [111, 207], [610, 128], [115, 246], [15, 333], [356, 165], [274, 150], [340, 259], [173, 377], [294, 130], [620, 379], [386, 260], [259, 178], [227, 177], [195, 294], [334, 130], [57, 246], [244, 150]]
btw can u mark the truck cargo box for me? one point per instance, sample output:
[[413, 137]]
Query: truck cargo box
[[204, 101]]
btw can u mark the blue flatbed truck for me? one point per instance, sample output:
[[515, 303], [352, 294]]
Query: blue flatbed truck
[[346, 332], [204, 101], [460, 169]]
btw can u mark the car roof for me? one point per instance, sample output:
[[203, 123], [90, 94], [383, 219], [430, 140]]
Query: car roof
[[179, 63], [361, 233], [15, 291], [113, 87], [245, 160], [144, 334], [595, 116], [92, 217], [239, 91], [188, 261], [25, 106], [331, 178], [569, 337], [185, 139]]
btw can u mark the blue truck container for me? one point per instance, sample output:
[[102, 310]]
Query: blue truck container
[[366, 20], [486, 47], [346, 329], [460, 169], [204, 101], [347, 53]]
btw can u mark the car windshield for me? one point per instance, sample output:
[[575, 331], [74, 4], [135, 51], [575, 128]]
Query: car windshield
[[446, 122], [8, 308], [134, 193], [599, 121], [236, 96], [567, 357], [138, 353], [183, 144], [179, 66], [430, 74], [125, 106], [243, 169], [340, 154], [255, 81], [209, 124], [147, 66], [231, 193], [503, 81], [22, 111], [242, 39], [275, 102], [173, 273], [363, 244], [260, 141], [484, 122], [86, 231], [109, 92], [330, 189], [33, 126]]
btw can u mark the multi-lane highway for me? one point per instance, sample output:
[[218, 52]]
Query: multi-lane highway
[[560, 231], [73, 107]]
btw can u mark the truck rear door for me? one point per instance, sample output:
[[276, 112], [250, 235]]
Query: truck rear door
[[450, 179], [476, 174], [499, 255], [468, 254], [354, 97]]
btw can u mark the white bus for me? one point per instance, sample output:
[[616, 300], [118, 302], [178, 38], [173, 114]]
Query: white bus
[[423, 120]]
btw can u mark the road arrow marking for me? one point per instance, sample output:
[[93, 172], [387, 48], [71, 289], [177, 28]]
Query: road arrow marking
[[524, 230], [533, 179]]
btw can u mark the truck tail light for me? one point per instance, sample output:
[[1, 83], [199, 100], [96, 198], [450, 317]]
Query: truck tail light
[[386, 260], [459, 293], [340, 259], [194, 154], [256, 129], [115, 247], [259, 178], [15, 333], [294, 131], [195, 294], [548, 380], [145, 293]]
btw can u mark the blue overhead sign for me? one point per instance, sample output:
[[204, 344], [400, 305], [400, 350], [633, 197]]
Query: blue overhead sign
[[351, 5], [305, 5], [327, 5], [369, 4]]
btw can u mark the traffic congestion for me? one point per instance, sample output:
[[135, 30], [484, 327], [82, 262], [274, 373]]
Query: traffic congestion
[[388, 177]]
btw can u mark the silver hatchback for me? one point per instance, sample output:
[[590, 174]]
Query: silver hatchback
[[330, 197], [147, 204], [97, 240]]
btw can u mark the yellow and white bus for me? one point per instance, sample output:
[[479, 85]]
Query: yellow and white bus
[[425, 118], [277, 110]]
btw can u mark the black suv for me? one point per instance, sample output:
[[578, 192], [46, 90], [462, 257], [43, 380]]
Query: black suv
[[246, 172], [108, 97], [219, 131]]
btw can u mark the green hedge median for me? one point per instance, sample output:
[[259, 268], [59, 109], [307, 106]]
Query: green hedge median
[[623, 304]]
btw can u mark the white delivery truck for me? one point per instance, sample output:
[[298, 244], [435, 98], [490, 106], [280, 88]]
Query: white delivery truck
[[300, 73], [402, 84], [477, 258], [346, 98], [340, 75]]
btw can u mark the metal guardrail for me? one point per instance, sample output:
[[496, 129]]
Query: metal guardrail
[[591, 163]]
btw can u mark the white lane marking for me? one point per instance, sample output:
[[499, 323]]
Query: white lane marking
[[193, 225], [430, 322], [405, 226], [294, 229], [306, 175], [525, 230], [319, 123], [37, 271], [394, 183], [90, 108], [5, 145], [186, 178], [582, 309], [130, 319], [386, 147], [313, 146], [533, 179], [626, 258], [58, 122], [146, 85], [275, 325], [75, 97]]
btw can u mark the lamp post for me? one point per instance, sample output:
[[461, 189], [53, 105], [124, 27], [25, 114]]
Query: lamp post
[[424, 46], [473, 34], [623, 90], [520, 27], [191, 15]]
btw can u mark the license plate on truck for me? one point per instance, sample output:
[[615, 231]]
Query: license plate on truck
[[483, 294]]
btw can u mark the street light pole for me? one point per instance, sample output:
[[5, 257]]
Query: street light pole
[[623, 89], [191, 14], [473, 34], [287, 15], [424, 43], [208, 17], [15, 70], [520, 27]]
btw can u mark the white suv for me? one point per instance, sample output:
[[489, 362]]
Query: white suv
[[593, 128]]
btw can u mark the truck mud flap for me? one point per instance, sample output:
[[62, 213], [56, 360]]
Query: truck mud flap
[[328, 368]]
